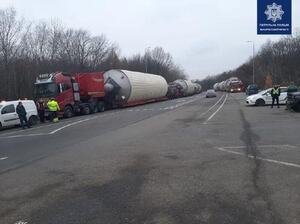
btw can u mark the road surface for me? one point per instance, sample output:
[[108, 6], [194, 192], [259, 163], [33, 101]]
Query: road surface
[[189, 160]]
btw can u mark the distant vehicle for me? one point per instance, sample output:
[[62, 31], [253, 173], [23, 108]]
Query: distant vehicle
[[210, 93], [9, 116], [293, 99], [264, 97], [252, 89], [235, 87]]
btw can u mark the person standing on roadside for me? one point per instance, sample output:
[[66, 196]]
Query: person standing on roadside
[[291, 89], [22, 115], [275, 93], [54, 108], [41, 110]]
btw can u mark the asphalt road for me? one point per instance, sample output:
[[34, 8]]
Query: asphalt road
[[189, 160]]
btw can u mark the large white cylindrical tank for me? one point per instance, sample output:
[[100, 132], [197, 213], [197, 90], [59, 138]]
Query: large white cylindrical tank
[[198, 88], [135, 86], [215, 87], [191, 87], [188, 87], [183, 85]]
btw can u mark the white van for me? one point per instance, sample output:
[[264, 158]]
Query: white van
[[9, 117]]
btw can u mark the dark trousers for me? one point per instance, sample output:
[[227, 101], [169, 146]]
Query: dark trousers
[[23, 121], [53, 114], [42, 115], [277, 101]]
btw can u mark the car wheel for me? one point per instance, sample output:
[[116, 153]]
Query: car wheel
[[68, 112], [32, 120], [260, 102]]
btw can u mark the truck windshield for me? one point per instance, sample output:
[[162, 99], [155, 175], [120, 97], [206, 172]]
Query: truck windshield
[[46, 90]]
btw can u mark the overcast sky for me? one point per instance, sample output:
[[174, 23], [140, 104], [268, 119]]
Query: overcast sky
[[205, 37]]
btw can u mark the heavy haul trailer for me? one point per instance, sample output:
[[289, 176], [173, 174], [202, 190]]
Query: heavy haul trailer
[[85, 93], [80, 93]]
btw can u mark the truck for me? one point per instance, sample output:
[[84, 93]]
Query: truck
[[80, 93], [86, 93], [235, 87]]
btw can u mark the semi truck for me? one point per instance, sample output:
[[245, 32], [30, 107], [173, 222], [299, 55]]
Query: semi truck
[[81, 93], [86, 93]]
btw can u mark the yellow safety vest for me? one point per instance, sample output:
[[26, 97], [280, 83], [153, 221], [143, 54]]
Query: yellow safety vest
[[275, 91], [53, 105]]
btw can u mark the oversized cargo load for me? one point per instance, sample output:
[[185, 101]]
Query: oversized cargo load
[[184, 87], [188, 87], [216, 86], [125, 88], [198, 88]]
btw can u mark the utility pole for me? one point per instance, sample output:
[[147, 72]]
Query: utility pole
[[253, 60], [146, 58]]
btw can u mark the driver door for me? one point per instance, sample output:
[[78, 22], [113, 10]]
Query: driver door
[[9, 115], [283, 96], [268, 97]]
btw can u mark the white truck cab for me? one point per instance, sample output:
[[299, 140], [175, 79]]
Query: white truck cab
[[9, 116]]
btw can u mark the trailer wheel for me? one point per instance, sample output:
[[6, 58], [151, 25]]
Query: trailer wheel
[[95, 109], [86, 110], [68, 112]]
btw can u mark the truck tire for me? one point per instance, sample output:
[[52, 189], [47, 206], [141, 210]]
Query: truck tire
[[32, 120], [68, 112], [260, 102], [100, 106], [86, 110], [95, 109]]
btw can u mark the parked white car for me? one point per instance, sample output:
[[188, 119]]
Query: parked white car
[[9, 117], [264, 97]]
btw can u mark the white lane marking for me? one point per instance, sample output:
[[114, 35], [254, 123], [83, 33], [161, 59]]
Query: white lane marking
[[3, 158], [21, 222], [28, 135], [259, 158], [71, 124], [212, 106], [262, 146], [220, 107]]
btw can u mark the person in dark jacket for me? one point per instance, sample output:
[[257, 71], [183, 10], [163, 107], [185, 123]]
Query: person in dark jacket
[[275, 93], [41, 110], [22, 115]]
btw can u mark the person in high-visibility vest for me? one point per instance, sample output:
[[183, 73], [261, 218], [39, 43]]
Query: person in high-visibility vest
[[53, 107], [275, 93]]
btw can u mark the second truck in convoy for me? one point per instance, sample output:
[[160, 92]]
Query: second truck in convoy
[[86, 93]]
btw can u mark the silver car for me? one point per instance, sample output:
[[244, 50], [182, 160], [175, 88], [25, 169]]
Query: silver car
[[210, 93]]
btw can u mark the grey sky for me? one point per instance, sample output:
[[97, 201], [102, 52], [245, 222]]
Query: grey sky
[[204, 37]]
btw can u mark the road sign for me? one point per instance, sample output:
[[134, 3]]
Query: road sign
[[274, 17]]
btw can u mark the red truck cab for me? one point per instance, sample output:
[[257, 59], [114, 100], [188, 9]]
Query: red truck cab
[[78, 93]]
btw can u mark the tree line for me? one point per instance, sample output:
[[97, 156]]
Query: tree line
[[28, 49], [276, 62]]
